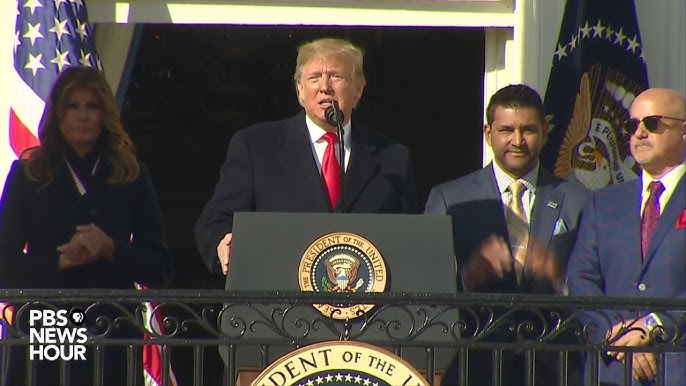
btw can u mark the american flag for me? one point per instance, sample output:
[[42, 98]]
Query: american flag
[[49, 36]]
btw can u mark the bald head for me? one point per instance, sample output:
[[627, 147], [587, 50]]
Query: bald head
[[661, 146], [670, 101]]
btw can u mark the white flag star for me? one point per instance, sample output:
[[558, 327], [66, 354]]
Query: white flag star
[[60, 28], [17, 41], [58, 2], [78, 3], [633, 44], [61, 59], [81, 29], [585, 30], [85, 59], [561, 51], [33, 33], [619, 37], [35, 63], [610, 32], [598, 29], [33, 4]]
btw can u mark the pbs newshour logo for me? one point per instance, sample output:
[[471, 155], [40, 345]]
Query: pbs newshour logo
[[52, 337]]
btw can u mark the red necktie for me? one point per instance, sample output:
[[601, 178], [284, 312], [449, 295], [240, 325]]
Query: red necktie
[[651, 212], [331, 171]]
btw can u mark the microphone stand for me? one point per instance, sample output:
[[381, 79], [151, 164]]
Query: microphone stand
[[336, 119]]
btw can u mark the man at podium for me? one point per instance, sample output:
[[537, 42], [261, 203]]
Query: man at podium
[[294, 165]]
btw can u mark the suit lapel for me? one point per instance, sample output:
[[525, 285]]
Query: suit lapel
[[299, 163], [362, 165], [666, 221], [546, 209], [630, 219], [544, 215]]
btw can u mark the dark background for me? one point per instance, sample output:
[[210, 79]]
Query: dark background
[[192, 87]]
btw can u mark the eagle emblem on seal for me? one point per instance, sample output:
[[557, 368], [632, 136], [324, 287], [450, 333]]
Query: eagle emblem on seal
[[342, 271], [593, 152]]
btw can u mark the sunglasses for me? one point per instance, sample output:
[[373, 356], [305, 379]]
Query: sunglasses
[[651, 123]]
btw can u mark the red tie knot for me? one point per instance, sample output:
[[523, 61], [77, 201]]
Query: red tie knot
[[656, 188], [330, 138]]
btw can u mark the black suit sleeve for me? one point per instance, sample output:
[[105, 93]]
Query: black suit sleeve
[[409, 196], [233, 193], [17, 269]]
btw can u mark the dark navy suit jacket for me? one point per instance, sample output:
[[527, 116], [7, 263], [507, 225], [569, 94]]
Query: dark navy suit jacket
[[607, 262], [270, 167], [475, 205]]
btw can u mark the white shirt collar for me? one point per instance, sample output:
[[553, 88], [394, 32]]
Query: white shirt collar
[[669, 180], [317, 132], [504, 180]]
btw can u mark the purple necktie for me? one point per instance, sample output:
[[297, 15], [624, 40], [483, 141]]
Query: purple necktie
[[651, 213]]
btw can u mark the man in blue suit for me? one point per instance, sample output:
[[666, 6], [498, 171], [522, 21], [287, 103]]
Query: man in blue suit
[[632, 242], [480, 203]]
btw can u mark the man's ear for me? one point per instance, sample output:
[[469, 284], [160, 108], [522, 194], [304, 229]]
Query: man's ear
[[487, 134], [299, 90]]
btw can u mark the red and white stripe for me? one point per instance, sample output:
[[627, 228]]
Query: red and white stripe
[[152, 353]]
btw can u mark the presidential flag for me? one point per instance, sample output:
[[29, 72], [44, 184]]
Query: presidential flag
[[598, 69]]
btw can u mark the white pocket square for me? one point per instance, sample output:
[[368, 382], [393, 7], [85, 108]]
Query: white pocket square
[[560, 227]]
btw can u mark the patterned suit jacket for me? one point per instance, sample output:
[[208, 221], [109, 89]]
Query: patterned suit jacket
[[607, 262]]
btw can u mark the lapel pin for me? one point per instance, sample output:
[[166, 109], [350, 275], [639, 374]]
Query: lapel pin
[[552, 204]]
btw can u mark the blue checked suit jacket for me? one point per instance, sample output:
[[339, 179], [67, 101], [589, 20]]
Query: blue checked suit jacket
[[607, 262]]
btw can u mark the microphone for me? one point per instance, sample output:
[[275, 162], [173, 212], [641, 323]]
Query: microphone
[[335, 117]]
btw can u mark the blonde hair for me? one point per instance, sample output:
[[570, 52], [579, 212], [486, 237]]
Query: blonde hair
[[329, 47], [118, 149]]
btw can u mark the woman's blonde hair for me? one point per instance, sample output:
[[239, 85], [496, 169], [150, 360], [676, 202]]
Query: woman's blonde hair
[[118, 149]]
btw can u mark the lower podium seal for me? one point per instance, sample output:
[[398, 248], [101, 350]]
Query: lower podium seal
[[340, 363]]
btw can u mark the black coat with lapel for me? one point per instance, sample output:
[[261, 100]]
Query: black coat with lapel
[[270, 167]]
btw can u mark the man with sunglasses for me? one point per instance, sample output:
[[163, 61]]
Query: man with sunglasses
[[632, 242]]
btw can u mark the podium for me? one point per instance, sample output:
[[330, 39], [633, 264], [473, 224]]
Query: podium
[[267, 254]]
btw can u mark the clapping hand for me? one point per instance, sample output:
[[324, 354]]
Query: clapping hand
[[88, 244], [488, 262]]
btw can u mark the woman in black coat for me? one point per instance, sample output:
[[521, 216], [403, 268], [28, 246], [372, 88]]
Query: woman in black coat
[[79, 211]]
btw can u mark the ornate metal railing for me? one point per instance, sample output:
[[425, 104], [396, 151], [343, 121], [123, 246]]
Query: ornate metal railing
[[251, 329]]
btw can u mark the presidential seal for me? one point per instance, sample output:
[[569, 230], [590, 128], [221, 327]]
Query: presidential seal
[[342, 262], [340, 363]]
